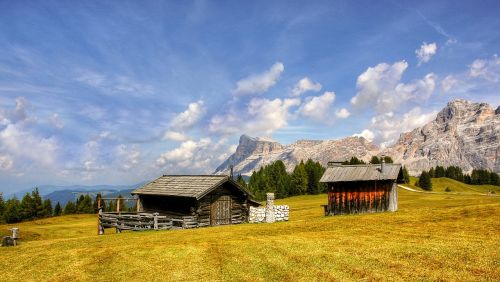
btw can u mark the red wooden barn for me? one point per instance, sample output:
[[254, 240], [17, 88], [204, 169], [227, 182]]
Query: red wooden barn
[[361, 188]]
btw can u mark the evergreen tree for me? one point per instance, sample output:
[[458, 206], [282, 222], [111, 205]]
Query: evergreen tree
[[424, 181], [439, 172], [111, 206], [353, 161], [57, 209], [432, 173], [96, 203], [2, 207], [84, 204], [388, 160], [70, 208], [241, 181], [38, 210], [494, 179], [47, 207], [375, 160], [299, 180], [314, 172], [467, 179], [406, 175], [26, 208], [12, 212]]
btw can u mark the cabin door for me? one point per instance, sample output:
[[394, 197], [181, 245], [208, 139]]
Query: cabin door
[[221, 211]]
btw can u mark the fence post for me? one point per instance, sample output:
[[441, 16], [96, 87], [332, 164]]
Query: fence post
[[155, 220], [100, 229]]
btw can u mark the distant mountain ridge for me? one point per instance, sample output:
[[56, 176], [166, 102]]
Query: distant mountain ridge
[[464, 134]]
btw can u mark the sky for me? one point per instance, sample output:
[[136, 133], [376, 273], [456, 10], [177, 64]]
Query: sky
[[119, 92]]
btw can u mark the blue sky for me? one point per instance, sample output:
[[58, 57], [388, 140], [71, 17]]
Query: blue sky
[[117, 92]]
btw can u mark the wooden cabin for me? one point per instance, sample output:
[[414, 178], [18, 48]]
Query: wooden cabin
[[361, 188], [199, 200]]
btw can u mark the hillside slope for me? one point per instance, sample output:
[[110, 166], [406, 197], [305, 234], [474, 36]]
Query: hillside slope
[[431, 237]]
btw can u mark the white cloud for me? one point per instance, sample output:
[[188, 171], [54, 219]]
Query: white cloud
[[174, 136], [259, 83], [379, 87], [342, 113], [318, 107], [193, 156], [304, 85], [448, 83], [112, 83], [367, 134], [262, 116], [387, 127], [6, 162], [190, 116], [486, 69], [55, 121], [425, 52], [128, 156], [18, 141]]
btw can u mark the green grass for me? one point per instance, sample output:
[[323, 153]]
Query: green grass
[[440, 184], [432, 237]]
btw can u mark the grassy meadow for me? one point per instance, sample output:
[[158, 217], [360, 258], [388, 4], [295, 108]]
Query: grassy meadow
[[432, 237]]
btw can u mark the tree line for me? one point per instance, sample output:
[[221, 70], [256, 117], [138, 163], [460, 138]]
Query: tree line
[[32, 206], [476, 177], [304, 179]]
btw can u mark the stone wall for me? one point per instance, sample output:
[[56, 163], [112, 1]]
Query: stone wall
[[270, 213]]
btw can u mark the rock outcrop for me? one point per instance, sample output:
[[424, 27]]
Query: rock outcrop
[[464, 134]]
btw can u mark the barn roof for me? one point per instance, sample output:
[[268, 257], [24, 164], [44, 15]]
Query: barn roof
[[191, 186], [367, 172]]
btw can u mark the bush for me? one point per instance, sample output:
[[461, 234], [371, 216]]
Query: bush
[[447, 189]]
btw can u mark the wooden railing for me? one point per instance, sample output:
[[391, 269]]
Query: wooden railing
[[143, 221]]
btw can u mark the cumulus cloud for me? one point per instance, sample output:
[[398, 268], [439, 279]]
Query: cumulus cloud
[[488, 69], [259, 83], [304, 85], [128, 156], [190, 116], [448, 83], [318, 107], [6, 162], [191, 155], [262, 116], [388, 126], [367, 134], [425, 53], [342, 113], [174, 136], [381, 87]]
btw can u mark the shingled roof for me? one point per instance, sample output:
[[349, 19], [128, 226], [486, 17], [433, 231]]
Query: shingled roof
[[192, 186], [339, 173]]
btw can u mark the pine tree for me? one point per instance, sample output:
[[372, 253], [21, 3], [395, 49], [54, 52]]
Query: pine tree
[[439, 172], [37, 208], [424, 181], [494, 179], [241, 181], [299, 180], [70, 208], [12, 212], [26, 209], [2, 207], [353, 161], [388, 160], [406, 175], [47, 207], [314, 172], [57, 209], [375, 160], [84, 204], [432, 173]]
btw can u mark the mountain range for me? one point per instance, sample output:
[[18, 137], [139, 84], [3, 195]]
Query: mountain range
[[464, 134]]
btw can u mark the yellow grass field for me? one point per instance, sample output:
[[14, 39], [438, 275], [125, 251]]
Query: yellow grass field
[[433, 237]]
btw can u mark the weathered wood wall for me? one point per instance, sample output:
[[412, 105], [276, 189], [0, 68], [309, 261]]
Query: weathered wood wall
[[361, 197], [238, 206]]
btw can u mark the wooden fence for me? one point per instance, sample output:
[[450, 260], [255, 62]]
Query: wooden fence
[[143, 221]]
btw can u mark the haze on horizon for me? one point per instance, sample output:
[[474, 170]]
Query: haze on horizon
[[122, 91]]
